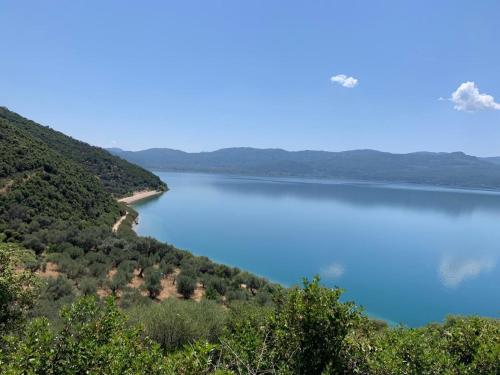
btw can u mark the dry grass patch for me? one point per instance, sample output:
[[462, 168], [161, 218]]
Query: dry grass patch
[[136, 282], [50, 271], [168, 287], [199, 292], [103, 293], [6, 186], [112, 272]]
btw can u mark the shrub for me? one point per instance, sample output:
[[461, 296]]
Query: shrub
[[17, 288], [118, 281], [309, 327], [152, 282], [93, 339], [167, 268], [132, 297], [88, 286], [186, 286], [174, 323], [58, 288]]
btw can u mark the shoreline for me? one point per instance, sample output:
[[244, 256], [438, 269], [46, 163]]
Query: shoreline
[[139, 195], [135, 197]]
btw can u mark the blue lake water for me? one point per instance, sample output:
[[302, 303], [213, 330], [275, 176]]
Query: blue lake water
[[406, 255]]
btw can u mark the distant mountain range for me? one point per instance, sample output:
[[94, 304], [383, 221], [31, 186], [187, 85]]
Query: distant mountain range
[[454, 169], [494, 159]]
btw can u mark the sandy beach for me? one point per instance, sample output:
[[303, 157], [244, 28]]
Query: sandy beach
[[138, 195]]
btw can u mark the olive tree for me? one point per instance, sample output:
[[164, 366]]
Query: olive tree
[[186, 286]]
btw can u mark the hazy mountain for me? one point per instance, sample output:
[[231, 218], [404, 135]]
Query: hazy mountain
[[454, 169], [494, 159]]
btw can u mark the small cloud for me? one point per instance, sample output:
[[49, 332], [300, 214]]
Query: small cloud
[[333, 271], [113, 142], [454, 272], [467, 98], [344, 80], [440, 99]]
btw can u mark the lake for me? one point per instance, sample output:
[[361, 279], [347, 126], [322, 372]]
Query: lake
[[407, 255]]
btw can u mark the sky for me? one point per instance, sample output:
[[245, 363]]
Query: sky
[[398, 76]]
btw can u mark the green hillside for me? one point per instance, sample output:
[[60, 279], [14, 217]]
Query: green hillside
[[41, 190], [118, 176]]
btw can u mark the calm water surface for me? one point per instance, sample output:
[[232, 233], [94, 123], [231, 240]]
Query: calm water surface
[[407, 255]]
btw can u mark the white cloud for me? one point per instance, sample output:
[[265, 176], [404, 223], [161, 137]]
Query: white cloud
[[453, 272], [344, 80], [468, 98], [333, 271]]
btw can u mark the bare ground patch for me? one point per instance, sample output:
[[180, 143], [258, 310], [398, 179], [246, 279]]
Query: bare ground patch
[[50, 271], [6, 186], [168, 285]]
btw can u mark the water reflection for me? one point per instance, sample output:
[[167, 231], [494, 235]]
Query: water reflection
[[455, 271], [451, 202], [333, 271], [410, 256]]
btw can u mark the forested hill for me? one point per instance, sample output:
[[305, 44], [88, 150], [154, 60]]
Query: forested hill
[[118, 176], [454, 169], [43, 193]]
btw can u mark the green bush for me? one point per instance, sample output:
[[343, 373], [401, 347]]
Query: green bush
[[460, 346], [186, 285], [152, 282], [18, 289], [118, 281], [174, 323], [309, 327], [132, 298], [88, 286], [93, 340]]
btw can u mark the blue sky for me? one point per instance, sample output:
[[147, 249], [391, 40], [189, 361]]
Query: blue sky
[[201, 75]]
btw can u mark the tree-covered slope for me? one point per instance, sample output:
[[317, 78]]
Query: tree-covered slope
[[454, 169], [41, 190], [118, 176]]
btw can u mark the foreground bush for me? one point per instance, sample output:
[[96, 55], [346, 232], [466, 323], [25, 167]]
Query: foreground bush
[[175, 323], [307, 331], [18, 288], [304, 333], [93, 340], [461, 346]]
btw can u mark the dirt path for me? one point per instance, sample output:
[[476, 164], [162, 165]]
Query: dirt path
[[118, 223]]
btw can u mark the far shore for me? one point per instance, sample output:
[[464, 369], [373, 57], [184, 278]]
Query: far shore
[[139, 195]]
